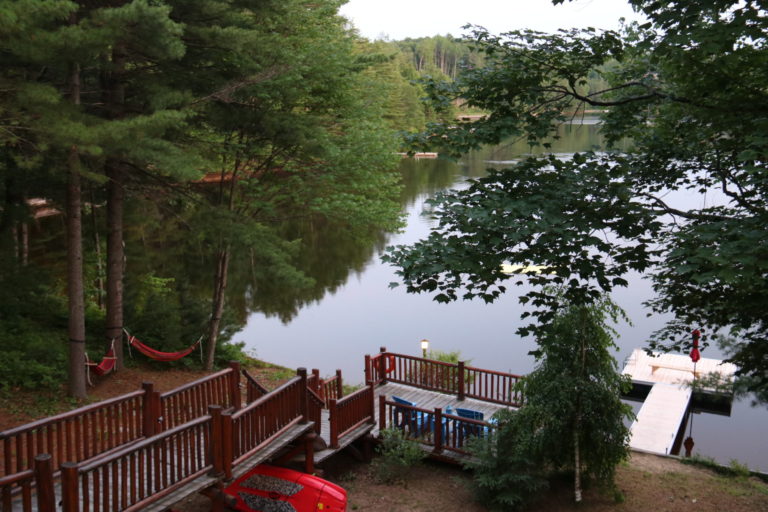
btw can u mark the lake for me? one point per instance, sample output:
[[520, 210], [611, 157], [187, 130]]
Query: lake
[[359, 313]]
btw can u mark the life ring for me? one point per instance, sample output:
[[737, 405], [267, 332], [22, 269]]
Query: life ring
[[390, 364]]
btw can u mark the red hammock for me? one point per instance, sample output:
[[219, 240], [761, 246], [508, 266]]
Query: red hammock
[[158, 355], [104, 367]]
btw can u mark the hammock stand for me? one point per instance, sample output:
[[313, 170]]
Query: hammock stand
[[157, 355], [104, 367]]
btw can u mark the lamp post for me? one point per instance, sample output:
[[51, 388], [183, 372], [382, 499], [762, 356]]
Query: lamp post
[[424, 347]]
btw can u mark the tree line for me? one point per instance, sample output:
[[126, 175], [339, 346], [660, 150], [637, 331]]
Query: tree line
[[221, 118]]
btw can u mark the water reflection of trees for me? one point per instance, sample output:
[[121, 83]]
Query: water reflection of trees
[[326, 253]]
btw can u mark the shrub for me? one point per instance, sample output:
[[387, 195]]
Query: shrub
[[396, 456]]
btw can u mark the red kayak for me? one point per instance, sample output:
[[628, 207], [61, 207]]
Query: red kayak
[[274, 489]]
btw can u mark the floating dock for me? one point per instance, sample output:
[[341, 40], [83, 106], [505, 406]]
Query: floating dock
[[670, 379]]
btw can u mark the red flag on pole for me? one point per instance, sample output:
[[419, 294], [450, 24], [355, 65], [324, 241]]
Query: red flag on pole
[[695, 355]]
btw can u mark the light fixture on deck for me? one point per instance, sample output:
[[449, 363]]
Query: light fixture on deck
[[424, 347]]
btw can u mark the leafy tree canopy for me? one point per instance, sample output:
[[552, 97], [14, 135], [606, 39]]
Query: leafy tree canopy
[[688, 89]]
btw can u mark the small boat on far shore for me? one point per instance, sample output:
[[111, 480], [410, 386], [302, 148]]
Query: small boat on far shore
[[418, 156]]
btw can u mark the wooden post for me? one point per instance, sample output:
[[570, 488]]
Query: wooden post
[[70, 496], [215, 449], [382, 413], [303, 402], [46, 497], [148, 410], [368, 376], [460, 378], [438, 429], [227, 445], [339, 385], [317, 382], [309, 452], [334, 422], [373, 402], [382, 369], [234, 386]]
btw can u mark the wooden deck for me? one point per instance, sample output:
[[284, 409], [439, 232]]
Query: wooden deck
[[425, 399], [146, 450], [670, 378]]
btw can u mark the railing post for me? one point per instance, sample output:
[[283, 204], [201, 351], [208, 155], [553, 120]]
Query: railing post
[[227, 446], [309, 453], [333, 415], [373, 402], [234, 386], [461, 383], [382, 413], [149, 410], [46, 497], [368, 376], [303, 402], [382, 369], [339, 385], [215, 449], [316, 382], [70, 496], [438, 429]]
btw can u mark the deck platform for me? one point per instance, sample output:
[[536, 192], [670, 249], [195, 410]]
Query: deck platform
[[670, 378], [431, 399]]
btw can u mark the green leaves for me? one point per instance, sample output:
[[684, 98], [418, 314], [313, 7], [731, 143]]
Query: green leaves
[[686, 203]]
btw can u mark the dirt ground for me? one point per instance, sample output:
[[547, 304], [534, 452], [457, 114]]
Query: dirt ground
[[647, 482]]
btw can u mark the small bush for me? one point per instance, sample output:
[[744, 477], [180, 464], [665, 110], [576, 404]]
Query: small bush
[[397, 456]]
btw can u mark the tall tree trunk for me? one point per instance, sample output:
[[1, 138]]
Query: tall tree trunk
[[115, 205], [24, 243], [75, 287], [217, 309], [115, 259], [577, 419]]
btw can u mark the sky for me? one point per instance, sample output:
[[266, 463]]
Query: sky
[[398, 19]]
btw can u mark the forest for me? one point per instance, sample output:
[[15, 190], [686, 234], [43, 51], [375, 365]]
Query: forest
[[163, 161], [160, 161], [164, 165]]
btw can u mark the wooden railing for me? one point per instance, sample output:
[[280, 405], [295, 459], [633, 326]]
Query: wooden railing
[[191, 401], [456, 379], [131, 478], [253, 388], [15, 484], [252, 427], [331, 388], [432, 427], [315, 406], [350, 412], [123, 453], [78, 434]]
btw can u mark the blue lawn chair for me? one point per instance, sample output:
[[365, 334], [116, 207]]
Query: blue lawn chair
[[470, 429], [416, 421]]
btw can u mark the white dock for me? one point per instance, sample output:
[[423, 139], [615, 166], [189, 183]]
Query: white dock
[[664, 409]]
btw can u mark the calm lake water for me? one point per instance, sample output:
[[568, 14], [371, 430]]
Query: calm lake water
[[358, 313]]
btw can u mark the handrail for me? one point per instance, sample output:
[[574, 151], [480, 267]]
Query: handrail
[[191, 400], [78, 434], [195, 383], [315, 409], [34, 425], [260, 421], [348, 413], [254, 389], [14, 483], [332, 388], [420, 425], [135, 476], [452, 378]]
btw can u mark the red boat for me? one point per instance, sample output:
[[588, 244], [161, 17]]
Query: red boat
[[274, 489]]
